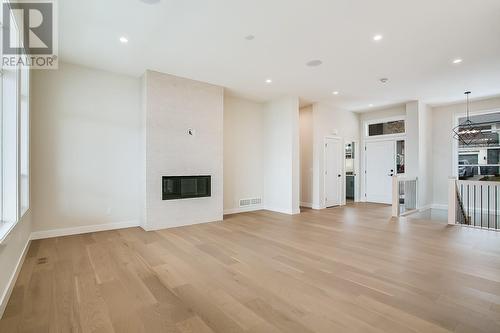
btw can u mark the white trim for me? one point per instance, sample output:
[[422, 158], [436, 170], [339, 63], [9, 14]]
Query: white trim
[[439, 206], [243, 209], [13, 278], [306, 204], [161, 226], [83, 229], [283, 210], [5, 229], [424, 208]]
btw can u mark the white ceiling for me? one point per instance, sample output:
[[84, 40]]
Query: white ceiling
[[204, 40]]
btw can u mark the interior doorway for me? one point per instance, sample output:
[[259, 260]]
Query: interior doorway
[[351, 152], [333, 172]]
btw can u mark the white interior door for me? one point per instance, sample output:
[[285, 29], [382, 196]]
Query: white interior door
[[333, 172], [379, 165]]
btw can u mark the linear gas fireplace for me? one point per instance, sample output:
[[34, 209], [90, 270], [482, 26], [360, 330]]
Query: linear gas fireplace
[[183, 187]]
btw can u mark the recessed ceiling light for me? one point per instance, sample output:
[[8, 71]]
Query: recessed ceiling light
[[377, 38], [250, 37], [335, 92], [123, 39], [269, 81], [370, 105], [457, 61], [314, 63], [150, 2]]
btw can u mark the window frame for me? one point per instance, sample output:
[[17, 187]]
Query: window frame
[[455, 148], [367, 123], [21, 73]]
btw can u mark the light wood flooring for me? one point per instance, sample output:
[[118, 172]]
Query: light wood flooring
[[349, 269]]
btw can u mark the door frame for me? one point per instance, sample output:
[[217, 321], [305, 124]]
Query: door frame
[[357, 155], [342, 171], [394, 139]]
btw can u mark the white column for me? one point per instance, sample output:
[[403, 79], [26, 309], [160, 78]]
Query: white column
[[452, 201], [395, 196]]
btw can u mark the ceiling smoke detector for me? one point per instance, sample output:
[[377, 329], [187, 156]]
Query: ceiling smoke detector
[[314, 63], [384, 80], [250, 37]]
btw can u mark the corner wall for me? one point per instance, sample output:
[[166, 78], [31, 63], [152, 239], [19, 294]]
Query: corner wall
[[281, 156], [244, 145], [306, 156]]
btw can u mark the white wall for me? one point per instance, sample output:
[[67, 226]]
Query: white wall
[[244, 144], [11, 253], [442, 149], [281, 156], [328, 120], [306, 156], [393, 111], [425, 156], [172, 106], [412, 139], [85, 148]]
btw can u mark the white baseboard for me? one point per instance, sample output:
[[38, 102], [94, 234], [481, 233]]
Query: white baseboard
[[13, 278], [82, 229], [242, 209], [176, 224], [438, 206], [278, 210], [306, 204], [424, 208]]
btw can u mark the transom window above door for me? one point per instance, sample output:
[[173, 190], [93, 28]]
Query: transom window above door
[[386, 128]]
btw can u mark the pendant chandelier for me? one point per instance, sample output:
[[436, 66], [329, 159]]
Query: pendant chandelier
[[467, 132]]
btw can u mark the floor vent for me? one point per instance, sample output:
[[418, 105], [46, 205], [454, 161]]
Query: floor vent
[[250, 202]]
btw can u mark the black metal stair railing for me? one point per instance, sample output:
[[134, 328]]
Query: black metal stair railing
[[478, 204]]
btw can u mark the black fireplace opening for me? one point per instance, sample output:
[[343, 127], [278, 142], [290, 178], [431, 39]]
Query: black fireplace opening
[[184, 187]]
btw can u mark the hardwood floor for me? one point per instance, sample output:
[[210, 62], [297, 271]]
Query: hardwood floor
[[349, 269]]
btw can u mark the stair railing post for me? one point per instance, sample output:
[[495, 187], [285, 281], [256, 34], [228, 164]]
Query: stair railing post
[[395, 196], [452, 200]]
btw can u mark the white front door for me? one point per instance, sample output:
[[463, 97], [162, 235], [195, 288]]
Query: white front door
[[379, 165], [333, 172]]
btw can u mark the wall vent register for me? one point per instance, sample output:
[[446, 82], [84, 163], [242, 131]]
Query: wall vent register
[[250, 202], [185, 187]]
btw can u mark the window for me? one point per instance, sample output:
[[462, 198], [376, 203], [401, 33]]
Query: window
[[14, 144], [481, 159], [386, 128], [400, 156]]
